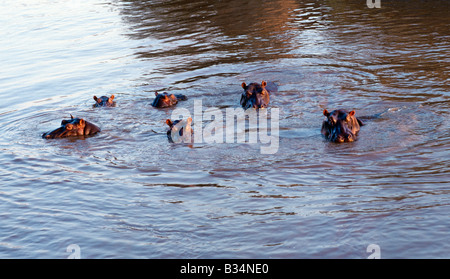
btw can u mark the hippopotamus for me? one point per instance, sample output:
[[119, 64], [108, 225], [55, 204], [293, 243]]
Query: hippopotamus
[[180, 131], [255, 95], [104, 101], [341, 125], [72, 128], [165, 100]]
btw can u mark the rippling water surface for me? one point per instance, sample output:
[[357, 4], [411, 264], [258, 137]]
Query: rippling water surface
[[128, 193]]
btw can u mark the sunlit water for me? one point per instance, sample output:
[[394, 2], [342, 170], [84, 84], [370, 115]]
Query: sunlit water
[[128, 193]]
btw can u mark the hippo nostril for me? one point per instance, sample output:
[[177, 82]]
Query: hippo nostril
[[340, 138]]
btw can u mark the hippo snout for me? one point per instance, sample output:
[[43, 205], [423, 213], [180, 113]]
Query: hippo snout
[[344, 138], [59, 132]]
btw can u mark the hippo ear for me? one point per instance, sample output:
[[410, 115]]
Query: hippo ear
[[244, 86], [263, 83], [169, 122], [326, 113], [95, 98], [111, 98], [71, 116], [82, 122], [352, 113]]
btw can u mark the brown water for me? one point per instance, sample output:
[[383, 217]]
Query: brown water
[[128, 193]]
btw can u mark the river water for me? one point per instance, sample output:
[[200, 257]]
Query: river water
[[128, 193]]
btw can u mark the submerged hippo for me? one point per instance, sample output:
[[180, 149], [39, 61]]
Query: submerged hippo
[[72, 128], [165, 100], [180, 131], [340, 125], [104, 101], [255, 95]]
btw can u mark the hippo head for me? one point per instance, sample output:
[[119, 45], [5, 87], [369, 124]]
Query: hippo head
[[340, 125], [164, 100], [71, 128], [104, 101], [180, 130], [255, 95]]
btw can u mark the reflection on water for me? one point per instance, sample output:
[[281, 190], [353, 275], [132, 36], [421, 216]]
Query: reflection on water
[[128, 193]]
